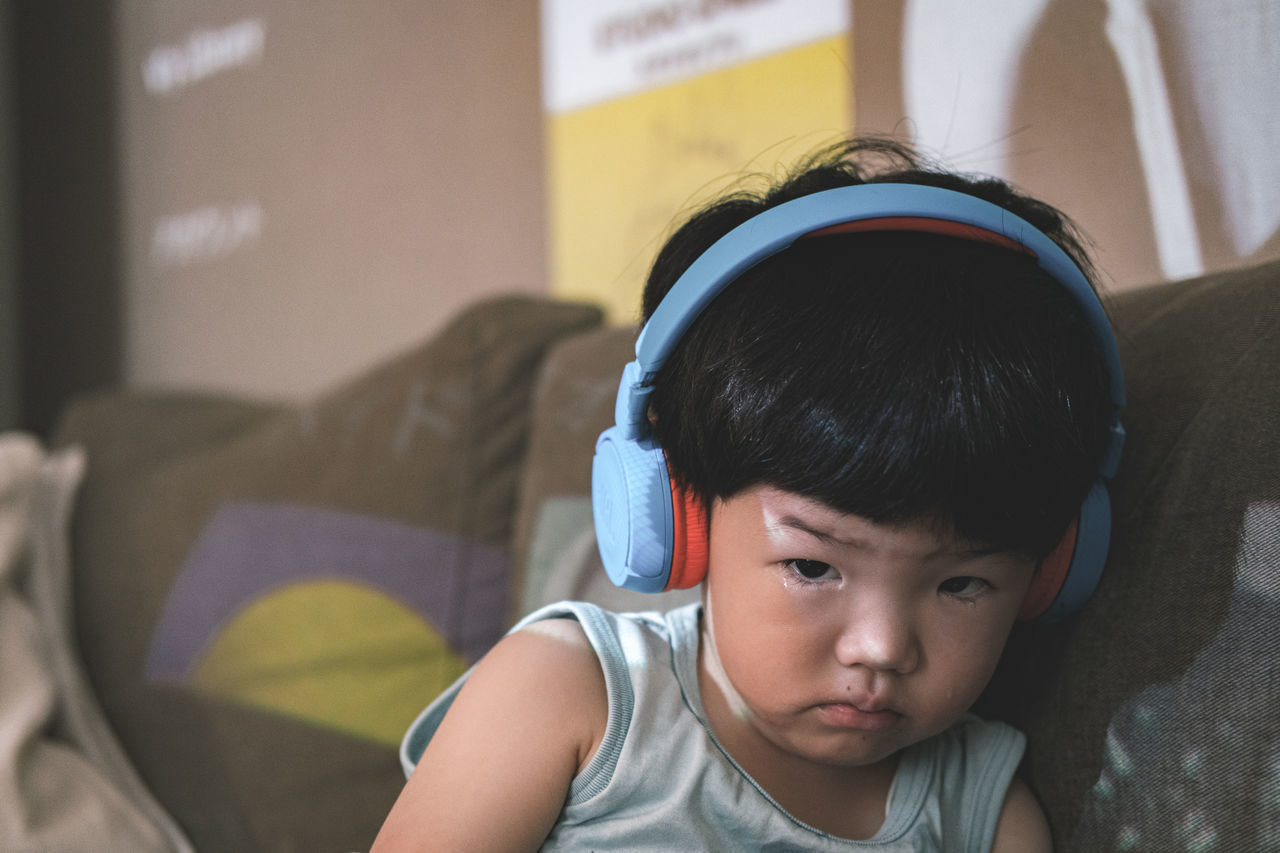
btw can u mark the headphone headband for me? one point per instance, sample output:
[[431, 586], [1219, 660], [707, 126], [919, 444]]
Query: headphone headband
[[777, 228]]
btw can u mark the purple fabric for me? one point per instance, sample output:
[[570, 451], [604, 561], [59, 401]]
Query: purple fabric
[[248, 550]]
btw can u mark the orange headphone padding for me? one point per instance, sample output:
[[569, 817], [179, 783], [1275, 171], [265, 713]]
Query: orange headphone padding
[[1050, 576], [690, 539], [926, 224]]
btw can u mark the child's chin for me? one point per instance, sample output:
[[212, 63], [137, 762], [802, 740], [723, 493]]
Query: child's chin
[[868, 750]]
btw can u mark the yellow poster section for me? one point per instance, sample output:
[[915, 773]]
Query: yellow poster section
[[335, 654], [621, 173]]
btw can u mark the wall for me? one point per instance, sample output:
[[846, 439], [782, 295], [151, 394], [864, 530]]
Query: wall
[[310, 186], [998, 99], [265, 198], [1151, 123]]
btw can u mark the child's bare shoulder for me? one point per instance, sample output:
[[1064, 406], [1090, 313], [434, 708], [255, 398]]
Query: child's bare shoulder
[[550, 662], [554, 652], [1022, 825], [527, 720], [565, 629]]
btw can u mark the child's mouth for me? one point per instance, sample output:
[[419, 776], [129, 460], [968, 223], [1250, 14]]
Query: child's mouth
[[846, 716]]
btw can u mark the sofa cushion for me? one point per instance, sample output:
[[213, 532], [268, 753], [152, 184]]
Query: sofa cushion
[[1152, 715], [268, 595], [555, 536]]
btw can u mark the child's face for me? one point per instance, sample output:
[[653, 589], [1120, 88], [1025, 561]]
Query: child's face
[[846, 641]]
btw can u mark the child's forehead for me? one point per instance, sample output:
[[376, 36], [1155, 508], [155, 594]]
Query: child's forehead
[[784, 513]]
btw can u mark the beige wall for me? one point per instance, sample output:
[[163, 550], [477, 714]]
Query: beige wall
[[1150, 121], [1059, 126], [309, 186], [325, 183]]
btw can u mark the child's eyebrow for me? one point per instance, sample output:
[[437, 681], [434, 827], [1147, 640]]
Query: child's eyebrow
[[824, 536], [961, 550]]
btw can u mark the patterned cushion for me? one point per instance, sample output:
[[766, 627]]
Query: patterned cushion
[[268, 596]]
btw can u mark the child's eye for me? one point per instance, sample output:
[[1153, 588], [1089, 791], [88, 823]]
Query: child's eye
[[811, 570], [963, 587]]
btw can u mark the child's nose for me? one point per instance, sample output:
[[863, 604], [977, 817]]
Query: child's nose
[[880, 636]]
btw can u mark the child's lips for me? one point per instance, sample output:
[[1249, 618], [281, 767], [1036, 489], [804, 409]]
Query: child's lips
[[863, 716]]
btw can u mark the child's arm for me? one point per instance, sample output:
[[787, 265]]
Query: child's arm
[[1022, 827], [496, 773]]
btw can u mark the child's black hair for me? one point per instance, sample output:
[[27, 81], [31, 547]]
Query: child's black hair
[[898, 376]]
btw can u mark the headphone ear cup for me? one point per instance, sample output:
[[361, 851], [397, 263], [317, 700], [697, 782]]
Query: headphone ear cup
[[1068, 576], [691, 544], [631, 504]]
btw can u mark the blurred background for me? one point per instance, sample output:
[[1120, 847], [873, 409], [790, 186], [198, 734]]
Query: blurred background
[[264, 198]]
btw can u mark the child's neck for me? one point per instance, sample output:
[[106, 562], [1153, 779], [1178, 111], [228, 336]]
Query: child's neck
[[848, 802]]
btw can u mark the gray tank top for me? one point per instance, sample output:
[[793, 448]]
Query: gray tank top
[[660, 781]]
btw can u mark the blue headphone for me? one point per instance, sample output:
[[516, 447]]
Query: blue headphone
[[652, 535]]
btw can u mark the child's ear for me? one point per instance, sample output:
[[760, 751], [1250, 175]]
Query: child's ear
[[1050, 577]]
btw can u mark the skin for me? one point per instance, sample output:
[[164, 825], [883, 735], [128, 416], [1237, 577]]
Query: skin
[[495, 775], [829, 644]]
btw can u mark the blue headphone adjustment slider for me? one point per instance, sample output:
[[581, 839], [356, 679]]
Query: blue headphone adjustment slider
[[631, 411]]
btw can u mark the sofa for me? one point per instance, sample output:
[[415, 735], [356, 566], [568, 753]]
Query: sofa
[[218, 615]]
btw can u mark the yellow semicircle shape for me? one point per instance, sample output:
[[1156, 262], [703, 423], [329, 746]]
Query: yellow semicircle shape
[[336, 654]]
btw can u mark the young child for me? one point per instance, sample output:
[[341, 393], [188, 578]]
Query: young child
[[871, 413]]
